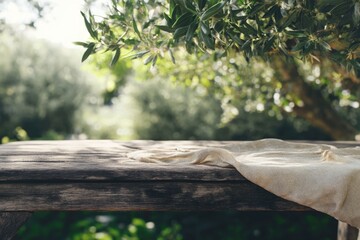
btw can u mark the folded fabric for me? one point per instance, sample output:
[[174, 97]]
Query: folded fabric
[[319, 176]]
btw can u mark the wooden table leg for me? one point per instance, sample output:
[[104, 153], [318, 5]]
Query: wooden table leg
[[347, 232], [10, 222]]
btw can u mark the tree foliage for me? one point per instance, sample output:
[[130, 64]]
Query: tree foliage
[[174, 112], [283, 33], [41, 90], [302, 29], [177, 225]]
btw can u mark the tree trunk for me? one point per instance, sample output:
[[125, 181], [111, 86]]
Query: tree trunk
[[315, 108]]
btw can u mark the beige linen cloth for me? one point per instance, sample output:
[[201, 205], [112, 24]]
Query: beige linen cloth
[[319, 176]]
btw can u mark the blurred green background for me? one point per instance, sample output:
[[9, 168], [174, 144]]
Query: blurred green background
[[46, 93]]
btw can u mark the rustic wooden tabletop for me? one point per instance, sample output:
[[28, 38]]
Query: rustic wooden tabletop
[[88, 175], [98, 175]]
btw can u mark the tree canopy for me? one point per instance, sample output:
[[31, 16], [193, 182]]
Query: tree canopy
[[304, 29], [284, 33]]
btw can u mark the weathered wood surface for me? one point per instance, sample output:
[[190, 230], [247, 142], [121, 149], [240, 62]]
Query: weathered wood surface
[[141, 196], [10, 222], [347, 232], [100, 160], [97, 175]]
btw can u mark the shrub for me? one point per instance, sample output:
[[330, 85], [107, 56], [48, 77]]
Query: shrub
[[42, 88]]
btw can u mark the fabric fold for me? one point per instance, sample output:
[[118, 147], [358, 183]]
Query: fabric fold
[[319, 176]]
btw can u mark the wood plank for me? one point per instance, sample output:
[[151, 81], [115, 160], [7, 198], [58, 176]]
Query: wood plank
[[10, 222], [56, 175], [141, 196], [88, 172], [106, 160], [347, 232], [100, 160], [99, 146], [110, 147]]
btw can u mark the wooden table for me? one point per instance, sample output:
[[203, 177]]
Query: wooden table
[[97, 175]]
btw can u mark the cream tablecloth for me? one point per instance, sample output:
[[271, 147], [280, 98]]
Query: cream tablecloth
[[319, 176]]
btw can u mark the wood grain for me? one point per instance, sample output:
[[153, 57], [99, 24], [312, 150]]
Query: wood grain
[[141, 196], [105, 160], [97, 175], [347, 232], [10, 222], [100, 160]]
